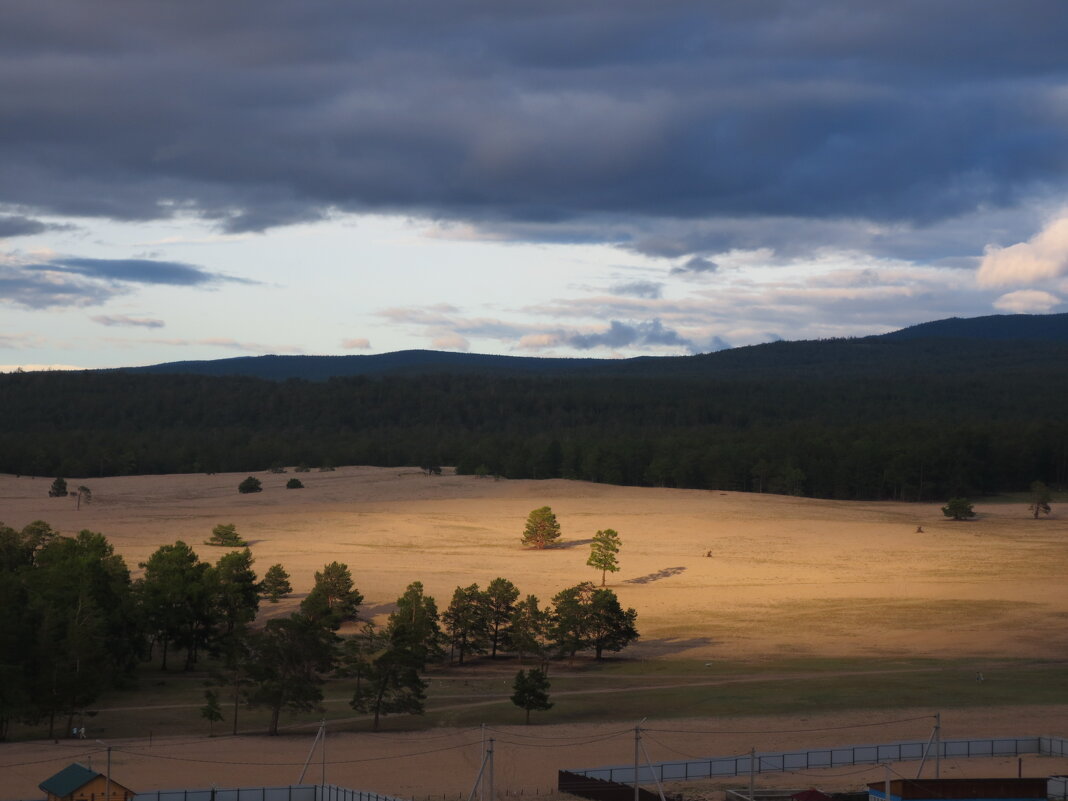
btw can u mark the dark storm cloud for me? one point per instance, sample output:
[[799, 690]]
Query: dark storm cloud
[[36, 290], [13, 225], [611, 116]]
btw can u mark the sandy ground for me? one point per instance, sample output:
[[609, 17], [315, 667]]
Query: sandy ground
[[786, 576]]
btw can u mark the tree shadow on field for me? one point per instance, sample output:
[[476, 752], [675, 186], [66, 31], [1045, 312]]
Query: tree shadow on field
[[667, 572], [571, 543], [671, 646]]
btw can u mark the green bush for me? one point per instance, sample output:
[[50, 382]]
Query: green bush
[[250, 484]]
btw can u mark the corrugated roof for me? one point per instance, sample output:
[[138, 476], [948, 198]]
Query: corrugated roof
[[68, 780]]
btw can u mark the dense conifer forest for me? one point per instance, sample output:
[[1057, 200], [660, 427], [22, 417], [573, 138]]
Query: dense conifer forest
[[911, 419]]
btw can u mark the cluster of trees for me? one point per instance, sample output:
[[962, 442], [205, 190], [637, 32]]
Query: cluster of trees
[[580, 618], [932, 434], [75, 624]]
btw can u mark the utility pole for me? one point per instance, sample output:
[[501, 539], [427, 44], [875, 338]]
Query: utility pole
[[637, 749]]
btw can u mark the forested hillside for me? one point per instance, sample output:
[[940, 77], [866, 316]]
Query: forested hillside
[[915, 419]]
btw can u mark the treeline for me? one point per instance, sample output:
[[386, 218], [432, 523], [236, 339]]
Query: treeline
[[924, 434], [75, 624]]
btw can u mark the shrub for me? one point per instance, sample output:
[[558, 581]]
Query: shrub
[[294, 483], [250, 484]]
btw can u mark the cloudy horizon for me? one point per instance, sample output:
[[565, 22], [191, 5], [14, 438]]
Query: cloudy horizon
[[610, 179]]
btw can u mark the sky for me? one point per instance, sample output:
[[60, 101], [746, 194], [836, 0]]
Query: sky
[[607, 178]]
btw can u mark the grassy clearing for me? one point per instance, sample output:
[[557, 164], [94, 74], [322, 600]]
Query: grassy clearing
[[622, 690]]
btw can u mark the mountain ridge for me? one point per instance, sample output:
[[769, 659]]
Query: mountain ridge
[[955, 334]]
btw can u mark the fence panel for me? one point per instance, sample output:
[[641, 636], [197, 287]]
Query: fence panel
[[295, 792], [843, 756]]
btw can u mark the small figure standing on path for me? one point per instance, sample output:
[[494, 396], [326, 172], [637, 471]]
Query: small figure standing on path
[[979, 676]]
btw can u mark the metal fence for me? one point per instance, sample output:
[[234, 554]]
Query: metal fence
[[788, 761], [294, 792]]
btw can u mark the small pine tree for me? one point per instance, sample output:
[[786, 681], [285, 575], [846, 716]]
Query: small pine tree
[[250, 484], [531, 691], [211, 711], [542, 529], [58, 489], [958, 509], [83, 495], [225, 535], [294, 483], [603, 552], [275, 584], [1040, 498]]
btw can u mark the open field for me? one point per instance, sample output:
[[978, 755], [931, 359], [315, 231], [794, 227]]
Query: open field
[[809, 609]]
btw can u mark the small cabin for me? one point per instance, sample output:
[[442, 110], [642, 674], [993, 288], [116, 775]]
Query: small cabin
[[959, 790], [79, 783]]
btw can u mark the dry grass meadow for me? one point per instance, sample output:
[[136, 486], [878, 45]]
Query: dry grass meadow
[[831, 588]]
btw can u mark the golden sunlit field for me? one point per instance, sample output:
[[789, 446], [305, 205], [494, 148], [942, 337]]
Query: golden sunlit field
[[786, 599]]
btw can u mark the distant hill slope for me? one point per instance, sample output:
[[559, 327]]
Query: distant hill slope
[[1037, 327], [404, 362], [956, 339]]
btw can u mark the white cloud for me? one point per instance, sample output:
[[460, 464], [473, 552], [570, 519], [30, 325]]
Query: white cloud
[[1027, 301], [359, 343], [1044, 256], [452, 342]]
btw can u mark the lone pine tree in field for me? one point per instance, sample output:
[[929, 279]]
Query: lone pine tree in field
[[958, 509], [225, 535], [603, 552], [1040, 498], [542, 528], [211, 711], [531, 691]]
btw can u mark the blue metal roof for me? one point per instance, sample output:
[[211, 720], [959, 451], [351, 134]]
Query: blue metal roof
[[68, 780]]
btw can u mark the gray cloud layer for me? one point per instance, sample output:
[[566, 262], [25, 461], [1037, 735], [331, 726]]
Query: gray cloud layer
[[608, 119], [77, 281]]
